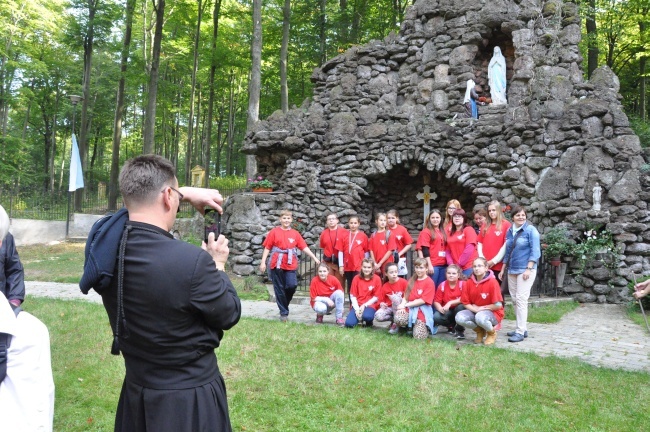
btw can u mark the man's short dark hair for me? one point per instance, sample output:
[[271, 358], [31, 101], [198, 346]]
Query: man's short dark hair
[[145, 176]]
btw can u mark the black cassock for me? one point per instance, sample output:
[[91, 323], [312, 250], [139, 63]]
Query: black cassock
[[176, 307]]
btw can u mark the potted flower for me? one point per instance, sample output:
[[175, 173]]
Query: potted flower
[[557, 243], [597, 244], [260, 184]]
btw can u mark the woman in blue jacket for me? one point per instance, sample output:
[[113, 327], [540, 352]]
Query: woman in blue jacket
[[520, 263]]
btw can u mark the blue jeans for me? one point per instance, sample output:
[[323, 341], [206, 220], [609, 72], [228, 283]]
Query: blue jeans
[[439, 275], [284, 287], [468, 272], [368, 317]]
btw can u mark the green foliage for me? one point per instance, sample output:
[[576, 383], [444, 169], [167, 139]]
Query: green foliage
[[642, 129], [558, 242], [596, 245], [228, 182]]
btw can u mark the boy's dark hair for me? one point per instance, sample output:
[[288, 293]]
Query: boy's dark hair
[[143, 177]]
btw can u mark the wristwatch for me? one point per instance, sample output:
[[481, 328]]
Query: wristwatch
[[529, 268]]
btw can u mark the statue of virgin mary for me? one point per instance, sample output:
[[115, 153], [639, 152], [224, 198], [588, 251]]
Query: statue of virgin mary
[[497, 78]]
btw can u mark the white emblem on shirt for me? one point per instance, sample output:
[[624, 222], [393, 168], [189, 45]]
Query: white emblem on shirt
[[460, 237], [419, 292], [498, 233], [358, 242], [383, 242], [483, 296], [371, 287], [331, 288], [291, 240], [399, 237]]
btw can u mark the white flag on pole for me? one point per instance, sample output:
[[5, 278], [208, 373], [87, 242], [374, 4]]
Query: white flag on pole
[[76, 174]]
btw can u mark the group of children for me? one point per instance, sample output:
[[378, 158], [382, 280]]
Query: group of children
[[454, 285]]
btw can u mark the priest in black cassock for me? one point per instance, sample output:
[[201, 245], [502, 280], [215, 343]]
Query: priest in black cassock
[[168, 303]]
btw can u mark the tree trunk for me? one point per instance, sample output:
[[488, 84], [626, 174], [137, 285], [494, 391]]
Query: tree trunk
[[53, 145], [592, 35], [254, 85], [119, 108], [190, 122], [231, 123], [321, 33], [284, 90], [89, 39], [150, 118], [643, 28], [213, 70]]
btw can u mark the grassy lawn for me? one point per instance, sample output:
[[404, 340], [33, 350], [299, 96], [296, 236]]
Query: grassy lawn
[[64, 262], [545, 313], [304, 378]]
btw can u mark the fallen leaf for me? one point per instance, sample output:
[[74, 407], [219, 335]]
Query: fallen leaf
[[80, 379], [89, 420]]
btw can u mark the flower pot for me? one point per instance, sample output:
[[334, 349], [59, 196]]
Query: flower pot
[[555, 261], [262, 190]]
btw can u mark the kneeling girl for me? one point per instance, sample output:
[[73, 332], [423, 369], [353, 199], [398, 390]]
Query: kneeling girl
[[415, 311], [391, 295], [364, 294], [483, 303], [326, 294]]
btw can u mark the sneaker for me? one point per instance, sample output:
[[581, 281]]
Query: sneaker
[[393, 329], [460, 335], [340, 322], [319, 319], [512, 333], [516, 338], [284, 318], [451, 330]]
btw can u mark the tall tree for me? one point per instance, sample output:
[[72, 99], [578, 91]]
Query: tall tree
[[211, 85], [190, 122], [254, 85], [150, 117], [284, 90], [119, 107], [592, 38]]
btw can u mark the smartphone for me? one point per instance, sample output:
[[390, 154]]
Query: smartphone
[[211, 223]]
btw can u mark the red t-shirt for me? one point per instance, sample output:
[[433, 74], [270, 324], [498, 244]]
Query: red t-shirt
[[436, 246], [319, 288], [401, 236], [456, 243], [331, 240], [285, 240], [492, 241], [423, 289], [364, 290], [392, 288], [445, 293], [483, 293], [380, 243], [355, 246]]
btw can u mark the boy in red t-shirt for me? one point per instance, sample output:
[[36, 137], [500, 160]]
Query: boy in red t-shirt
[[325, 294], [483, 303], [354, 249], [331, 240], [283, 243]]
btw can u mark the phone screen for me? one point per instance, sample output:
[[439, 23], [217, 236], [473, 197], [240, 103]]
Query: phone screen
[[211, 223]]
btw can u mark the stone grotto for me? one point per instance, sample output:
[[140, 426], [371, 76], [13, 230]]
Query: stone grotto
[[387, 119]]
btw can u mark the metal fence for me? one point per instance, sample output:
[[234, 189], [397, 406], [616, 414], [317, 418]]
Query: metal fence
[[36, 203]]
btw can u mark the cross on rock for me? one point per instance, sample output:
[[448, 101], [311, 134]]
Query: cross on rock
[[426, 195]]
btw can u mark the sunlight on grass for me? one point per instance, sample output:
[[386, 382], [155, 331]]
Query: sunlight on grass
[[544, 313], [294, 377], [62, 262]]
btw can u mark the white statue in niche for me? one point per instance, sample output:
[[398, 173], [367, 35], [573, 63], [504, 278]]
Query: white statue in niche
[[497, 78], [598, 191]]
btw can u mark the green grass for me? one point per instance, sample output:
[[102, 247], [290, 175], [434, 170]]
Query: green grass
[[295, 377], [249, 288], [545, 313], [62, 262]]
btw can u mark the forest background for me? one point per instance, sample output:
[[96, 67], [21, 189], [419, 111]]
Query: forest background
[[176, 77]]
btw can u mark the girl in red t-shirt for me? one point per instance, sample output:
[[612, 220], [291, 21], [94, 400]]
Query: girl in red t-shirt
[[492, 238], [461, 243], [392, 293], [415, 311], [282, 243], [451, 207], [446, 303], [403, 240], [325, 294], [364, 295], [381, 244], [354, 249], [483, 303], [431, 245]]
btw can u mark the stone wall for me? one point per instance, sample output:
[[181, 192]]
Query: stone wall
[[385, 119]]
